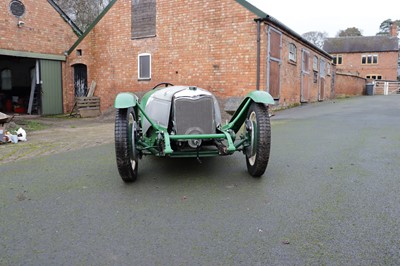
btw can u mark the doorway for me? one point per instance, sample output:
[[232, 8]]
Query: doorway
[[80, 80]]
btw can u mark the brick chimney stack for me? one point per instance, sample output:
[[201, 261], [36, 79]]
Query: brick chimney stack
[[393, 29]]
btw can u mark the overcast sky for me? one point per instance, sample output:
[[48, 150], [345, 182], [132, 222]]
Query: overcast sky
[[331, 16]]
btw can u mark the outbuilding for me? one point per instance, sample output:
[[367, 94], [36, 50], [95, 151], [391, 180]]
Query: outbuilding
[[228, 47], [34, 38]]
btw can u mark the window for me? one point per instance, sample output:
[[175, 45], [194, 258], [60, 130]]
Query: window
[[143, 18], [322, 72], [315, 63], [17, 8], [6, 79], [328, 70], [305, 67], [144, 67], [370, 59], [337, 59], [292, 53], [374, 76]]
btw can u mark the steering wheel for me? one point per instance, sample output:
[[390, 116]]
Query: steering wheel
[[166, 84]]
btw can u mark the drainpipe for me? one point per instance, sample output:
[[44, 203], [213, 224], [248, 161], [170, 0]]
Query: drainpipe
[[258, 52], [258, 21]]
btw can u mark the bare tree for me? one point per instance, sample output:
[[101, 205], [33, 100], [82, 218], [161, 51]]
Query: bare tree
[[315, 37], [82, 12], [349, 32]]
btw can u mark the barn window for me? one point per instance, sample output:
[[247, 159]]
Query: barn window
[[143, 18], [292, 52], [17, 8], [315, 63], [144, 67], [322, 72], [6, 79]]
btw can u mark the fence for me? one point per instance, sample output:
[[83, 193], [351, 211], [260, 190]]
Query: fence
[[386, 87]]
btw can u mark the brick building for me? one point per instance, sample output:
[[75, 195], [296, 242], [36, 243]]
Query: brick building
[[34, 36], [228, 47], [374, 57]]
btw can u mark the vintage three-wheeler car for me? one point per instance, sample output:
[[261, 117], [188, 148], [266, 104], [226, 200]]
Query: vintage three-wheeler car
[[185, 121]]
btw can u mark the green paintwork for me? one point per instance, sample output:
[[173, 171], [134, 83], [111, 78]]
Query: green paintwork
[[154, 125], [125, 100], [239, 116], [90, 28], [32, 55], [158, 142], [51, 77], [261, 97], [146, 97]]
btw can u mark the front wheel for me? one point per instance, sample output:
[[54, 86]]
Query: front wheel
[[259, 134], [125, 146]]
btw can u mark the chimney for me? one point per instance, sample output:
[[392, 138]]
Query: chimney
[[393, 29]]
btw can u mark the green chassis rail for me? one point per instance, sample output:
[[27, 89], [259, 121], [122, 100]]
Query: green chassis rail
[[152, 145]]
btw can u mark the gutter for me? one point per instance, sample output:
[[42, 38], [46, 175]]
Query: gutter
[[297, 36], [264, 17]]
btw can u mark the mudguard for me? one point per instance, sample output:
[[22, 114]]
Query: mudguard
[[239, 116], [125, 100]]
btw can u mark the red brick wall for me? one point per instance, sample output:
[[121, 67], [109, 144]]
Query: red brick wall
[[291, 74], [386, 67], [349, 85], [212, 46], [44, 30]]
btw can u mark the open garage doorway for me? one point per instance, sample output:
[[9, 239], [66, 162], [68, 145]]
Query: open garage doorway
[[30, 86], [17, 74]]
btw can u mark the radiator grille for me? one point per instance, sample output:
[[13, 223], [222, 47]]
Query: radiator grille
[[194, 115]]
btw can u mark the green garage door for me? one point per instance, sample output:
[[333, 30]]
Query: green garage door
[[50, 73]]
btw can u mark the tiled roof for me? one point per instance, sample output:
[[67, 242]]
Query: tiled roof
[[361, 44]]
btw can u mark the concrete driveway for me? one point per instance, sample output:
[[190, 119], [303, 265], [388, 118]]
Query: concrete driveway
[[330, 196]]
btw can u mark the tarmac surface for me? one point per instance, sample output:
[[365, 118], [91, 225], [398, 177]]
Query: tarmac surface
[[330, 196]]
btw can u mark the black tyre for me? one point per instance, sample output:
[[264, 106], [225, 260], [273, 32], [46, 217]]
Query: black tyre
[[259, 131], [125, 146]]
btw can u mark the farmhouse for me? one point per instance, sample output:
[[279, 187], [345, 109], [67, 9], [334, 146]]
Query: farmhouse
[[228, 47], [33, 38], [372, 57]]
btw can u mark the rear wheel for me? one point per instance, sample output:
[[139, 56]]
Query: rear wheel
[[259, 132], [125, 146]]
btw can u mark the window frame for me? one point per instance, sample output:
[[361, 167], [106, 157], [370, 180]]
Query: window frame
[[328, 68], [369, 59], [337, 59], [371, 76], [139, 67], [315, 63], [292, 53], [6, 79], [322, 68]]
